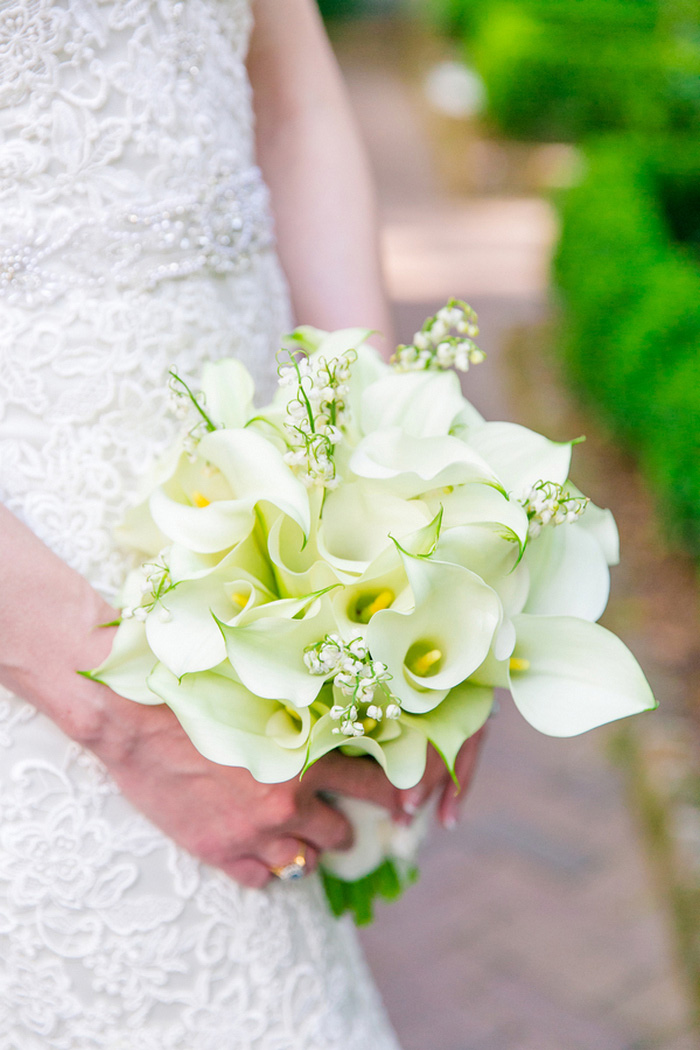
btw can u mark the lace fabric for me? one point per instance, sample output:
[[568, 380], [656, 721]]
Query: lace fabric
[[134, 237]]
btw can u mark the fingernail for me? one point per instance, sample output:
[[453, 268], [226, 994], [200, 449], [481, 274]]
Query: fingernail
[[411, 802], [450, 822]]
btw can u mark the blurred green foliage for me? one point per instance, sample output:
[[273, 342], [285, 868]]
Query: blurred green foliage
[[627, 268], [561, 69], [338, 10]]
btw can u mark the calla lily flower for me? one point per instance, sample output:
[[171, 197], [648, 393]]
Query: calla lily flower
[[460, 715], [423, 404], [442, 640], [409, 466], [399, 749], [218, 514], [266, 647], [481, 505], [569, 575], [228, 390], [383, 585], [358, 520], [568, 675], [377, 836], [129, 664], [181, 624], [230, 725], [182, 628], [298, 565], [520, 457]]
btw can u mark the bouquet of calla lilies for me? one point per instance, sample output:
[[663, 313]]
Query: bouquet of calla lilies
[[358, 565]]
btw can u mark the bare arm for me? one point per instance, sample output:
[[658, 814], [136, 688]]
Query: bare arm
[[315, 164]]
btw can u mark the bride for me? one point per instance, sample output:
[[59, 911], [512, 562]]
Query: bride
[[138, 903]]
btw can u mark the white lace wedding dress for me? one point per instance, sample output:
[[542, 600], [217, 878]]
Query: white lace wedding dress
[[134, 237]]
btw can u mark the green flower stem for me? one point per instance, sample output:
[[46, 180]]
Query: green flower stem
[[387, 882], [210, 425]]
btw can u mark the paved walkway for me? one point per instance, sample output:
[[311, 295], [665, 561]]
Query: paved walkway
[[534, 926]]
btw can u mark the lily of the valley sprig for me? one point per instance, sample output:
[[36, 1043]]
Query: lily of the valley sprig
[[314, 413], [446, 340]]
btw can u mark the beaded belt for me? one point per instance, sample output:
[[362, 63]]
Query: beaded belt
[[218, 227]]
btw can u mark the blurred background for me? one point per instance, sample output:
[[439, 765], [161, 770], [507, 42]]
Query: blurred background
[[541, 158]]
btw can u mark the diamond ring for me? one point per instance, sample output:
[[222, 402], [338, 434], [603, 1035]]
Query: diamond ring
[[295, 869]]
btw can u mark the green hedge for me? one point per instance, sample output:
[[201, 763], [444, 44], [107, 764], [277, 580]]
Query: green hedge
[[613, 14], [339, 10], [561, 72], [631, 330]]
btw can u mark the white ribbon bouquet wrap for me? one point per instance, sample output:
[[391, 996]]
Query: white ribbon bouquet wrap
[[358, 565]]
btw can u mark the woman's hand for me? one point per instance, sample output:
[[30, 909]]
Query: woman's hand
[[437, 779], [221, 814]]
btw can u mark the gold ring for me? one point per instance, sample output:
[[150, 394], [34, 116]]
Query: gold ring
[[295, 869]]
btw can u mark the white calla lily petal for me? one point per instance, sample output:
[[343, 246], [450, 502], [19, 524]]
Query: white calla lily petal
[[481, 505], [335, 344], [513, 589], [569, 575], [228, 724], [359, 520], [460, 715], [228, 388], [129, 664], [245, 560], [575, 676], [466, 420], [490, 551], [599, 522], [181, 628], [504, 642], [267, 652], [520, 457], [423, 404], [456, 616], [299, 567], [256, 471], [402, 757], [410, 466]]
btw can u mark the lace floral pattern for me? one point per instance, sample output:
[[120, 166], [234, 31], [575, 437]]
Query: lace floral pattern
[[114, 114], [96, 954]]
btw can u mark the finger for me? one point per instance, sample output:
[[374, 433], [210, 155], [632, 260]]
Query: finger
[[359, 778], [283, 851], [434, 777], [323, 826], [465, 766], [248, 872]]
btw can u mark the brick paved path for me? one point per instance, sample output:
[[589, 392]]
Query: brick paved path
[[534, 925]]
